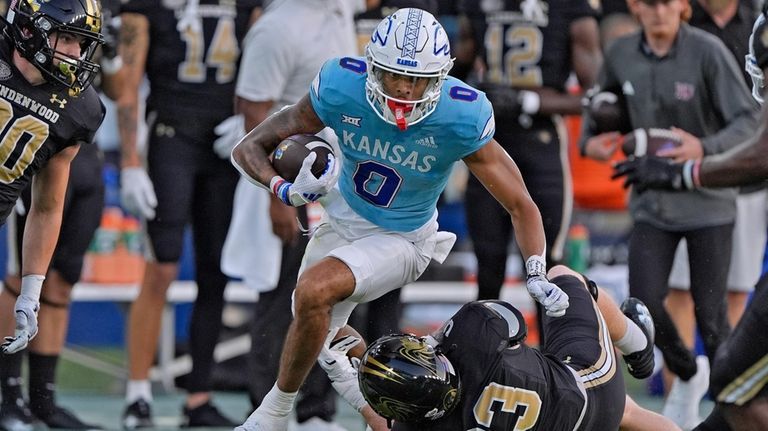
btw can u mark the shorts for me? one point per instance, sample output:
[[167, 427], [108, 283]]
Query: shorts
[[380, 260], [749, 238], [581, 340], [193, 185]]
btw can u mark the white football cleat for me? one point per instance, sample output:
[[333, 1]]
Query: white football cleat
[[682, 405], [261, 421]]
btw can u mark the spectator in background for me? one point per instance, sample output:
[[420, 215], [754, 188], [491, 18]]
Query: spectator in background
[[742, 399], [189, 51], [696, 90], [81, 215], [527, 54], [731, 21], [277, 67]]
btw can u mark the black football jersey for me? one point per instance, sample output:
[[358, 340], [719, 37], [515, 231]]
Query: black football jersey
[[36, 122], [503, 388], [526, 43], [193, 68]]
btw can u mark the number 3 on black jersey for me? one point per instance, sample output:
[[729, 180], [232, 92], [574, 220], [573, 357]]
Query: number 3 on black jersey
[[523, 404], [27, 133]]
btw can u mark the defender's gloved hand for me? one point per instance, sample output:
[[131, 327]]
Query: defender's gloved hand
[[137, 194], [306, 187], [650, 172], [25, 311], [230, 132], [341, 372], [554, 300], [548, 294]]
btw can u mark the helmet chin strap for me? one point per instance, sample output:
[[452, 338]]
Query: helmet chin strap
[[400, 109]]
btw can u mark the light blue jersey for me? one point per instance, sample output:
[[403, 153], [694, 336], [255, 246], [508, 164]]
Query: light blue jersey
[[393, 178]]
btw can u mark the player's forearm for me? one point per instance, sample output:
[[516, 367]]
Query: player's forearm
[[529, 230], [41, 233], [744, 164], [250, 155], [134, 45]]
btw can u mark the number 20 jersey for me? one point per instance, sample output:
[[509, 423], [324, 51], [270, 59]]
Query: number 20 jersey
[[36, 122], [390, 177]]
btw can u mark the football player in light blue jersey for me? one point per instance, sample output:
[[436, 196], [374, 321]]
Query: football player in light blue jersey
[[401, 123]]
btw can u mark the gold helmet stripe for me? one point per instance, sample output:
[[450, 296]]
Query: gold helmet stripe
[[93, 15]]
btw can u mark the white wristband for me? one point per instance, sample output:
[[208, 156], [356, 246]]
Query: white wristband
[[31, 286], [535, 265], [530, 102], [688, 175]]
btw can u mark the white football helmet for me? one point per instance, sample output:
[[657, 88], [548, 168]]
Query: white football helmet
[[409, 42], [750, 61]]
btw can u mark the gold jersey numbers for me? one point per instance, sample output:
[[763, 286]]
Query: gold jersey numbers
[[19, 141], [222, 53]]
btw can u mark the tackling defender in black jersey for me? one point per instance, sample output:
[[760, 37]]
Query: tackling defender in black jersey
[[476, 373]]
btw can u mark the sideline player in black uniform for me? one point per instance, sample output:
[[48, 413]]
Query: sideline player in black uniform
[[738, 376], [476, 372], [83, 205], [189, 51], [48, 109], [529, 49]]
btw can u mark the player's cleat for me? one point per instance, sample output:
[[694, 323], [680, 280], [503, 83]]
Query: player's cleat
[[682, 405], [138, 415], [62, 418], [640, 363], [261, 421], [205, 415], [17, 417], [316, 424]]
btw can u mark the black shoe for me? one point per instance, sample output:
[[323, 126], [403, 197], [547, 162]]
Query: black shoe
[[17, 417], [62, 418], [138, 415], [640, 364], [206, 415]]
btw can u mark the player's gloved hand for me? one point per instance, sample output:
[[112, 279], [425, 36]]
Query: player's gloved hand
[[306, 187], [137, 194], [554, 300], [229, 132], [341, 371], [650, 172], [25, 311], [548, 294]]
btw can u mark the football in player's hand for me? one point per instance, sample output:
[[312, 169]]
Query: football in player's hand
[[291, 152], [649, 141], [607, 112]]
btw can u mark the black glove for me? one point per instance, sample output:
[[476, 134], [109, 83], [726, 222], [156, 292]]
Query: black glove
[[649, 172], [505, 100]]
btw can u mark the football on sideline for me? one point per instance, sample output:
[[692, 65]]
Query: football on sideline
[[640, 142], [291, 152]]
